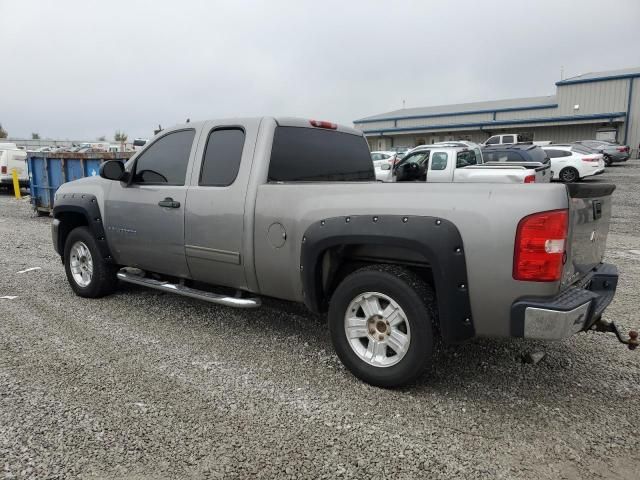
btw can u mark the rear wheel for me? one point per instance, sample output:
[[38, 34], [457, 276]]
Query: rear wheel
[[569, 175], [607, 160], [380, 318], [87, 272]]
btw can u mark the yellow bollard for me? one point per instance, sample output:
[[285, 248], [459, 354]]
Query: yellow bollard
[[16, 183]]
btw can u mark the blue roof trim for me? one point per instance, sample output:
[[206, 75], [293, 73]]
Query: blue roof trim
[[501, 122], [455, 114], [599, 79]]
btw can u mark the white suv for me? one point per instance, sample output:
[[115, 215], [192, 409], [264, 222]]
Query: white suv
[[570, 163]]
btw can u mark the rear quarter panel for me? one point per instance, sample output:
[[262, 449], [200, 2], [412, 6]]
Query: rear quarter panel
[[485, 214]]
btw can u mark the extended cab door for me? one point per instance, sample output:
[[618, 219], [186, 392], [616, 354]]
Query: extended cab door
[[215, 215], [441, 166], [145, 220]]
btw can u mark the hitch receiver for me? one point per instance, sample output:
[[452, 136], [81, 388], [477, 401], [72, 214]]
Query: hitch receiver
[[610, 327]]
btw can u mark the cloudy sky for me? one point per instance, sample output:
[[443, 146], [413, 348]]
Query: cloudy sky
[[79, 69]]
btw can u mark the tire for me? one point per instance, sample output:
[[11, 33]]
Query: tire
[[569, 175], [395, 360], [607, 161], [87, 272]]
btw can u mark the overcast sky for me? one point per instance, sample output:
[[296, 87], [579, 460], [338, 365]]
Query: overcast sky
[[79, 69]]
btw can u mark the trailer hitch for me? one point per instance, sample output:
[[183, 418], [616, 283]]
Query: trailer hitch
[[610, 327]]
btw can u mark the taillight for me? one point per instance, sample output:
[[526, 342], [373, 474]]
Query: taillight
[[590, 159], [540, 246], [530, 179], [3, 169], [623, 149], [323, 124]]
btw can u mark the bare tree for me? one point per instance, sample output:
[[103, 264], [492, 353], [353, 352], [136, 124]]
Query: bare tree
[[35, 136], [122, 138], [3, 132], [103, 138]]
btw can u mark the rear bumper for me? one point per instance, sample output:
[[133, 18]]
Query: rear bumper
[[573, 310], [621, 157]]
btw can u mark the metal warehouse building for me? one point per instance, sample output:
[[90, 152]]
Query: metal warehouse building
[[602, 105]]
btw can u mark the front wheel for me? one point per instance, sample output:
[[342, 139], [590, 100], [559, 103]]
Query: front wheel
[[381, 323], [87, 272]]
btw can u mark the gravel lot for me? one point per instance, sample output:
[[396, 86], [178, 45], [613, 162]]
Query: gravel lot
[[147, 385]]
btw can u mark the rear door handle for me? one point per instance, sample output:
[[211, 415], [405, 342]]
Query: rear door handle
[[169, 203]]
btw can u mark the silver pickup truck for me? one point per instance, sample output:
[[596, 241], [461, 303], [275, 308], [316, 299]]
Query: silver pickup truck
[[229, 211]]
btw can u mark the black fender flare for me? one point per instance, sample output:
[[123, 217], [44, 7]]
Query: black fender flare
[[437, 240], [86, 205]]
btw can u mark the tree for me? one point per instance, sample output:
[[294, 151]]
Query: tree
[[35, 136], [103, 138], [120, 137], [3, 132]]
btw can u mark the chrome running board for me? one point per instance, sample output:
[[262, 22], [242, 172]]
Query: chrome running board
[[236, 302]]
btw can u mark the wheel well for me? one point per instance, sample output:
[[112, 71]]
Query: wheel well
[[69, 221], [338, 262]]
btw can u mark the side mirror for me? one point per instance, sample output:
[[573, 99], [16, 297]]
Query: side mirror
[[112, 170], [385, 166]]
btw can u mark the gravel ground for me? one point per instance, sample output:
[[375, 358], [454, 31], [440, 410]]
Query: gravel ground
[[147, 385]]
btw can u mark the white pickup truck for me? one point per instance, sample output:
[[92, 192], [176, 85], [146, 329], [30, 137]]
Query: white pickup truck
[[443, 163]]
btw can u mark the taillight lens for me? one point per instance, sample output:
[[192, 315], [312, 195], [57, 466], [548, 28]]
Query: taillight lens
[[623, 149], [590, 159], [540, 246], [530, 179], [323, 124], [3, 169]]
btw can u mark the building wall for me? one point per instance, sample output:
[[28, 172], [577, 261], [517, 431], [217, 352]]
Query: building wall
[[593, 97], [633, 131]]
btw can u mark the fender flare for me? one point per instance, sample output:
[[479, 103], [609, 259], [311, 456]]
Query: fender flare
[[436, 239], [86, 205]]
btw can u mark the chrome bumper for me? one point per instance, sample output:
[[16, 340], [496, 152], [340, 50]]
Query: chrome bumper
[[573, 310]]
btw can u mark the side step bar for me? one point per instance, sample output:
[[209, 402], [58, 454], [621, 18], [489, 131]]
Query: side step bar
[[236, 302]]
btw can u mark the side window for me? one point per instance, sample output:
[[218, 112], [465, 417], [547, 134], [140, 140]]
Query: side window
[[514, 157], [507, 139], [375, 156], [222, 156], [551, 153], [495, 140], [439, 161], [464, 159], [564, 153], [165, 162]]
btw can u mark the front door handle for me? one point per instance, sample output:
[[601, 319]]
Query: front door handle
[[169, 203]]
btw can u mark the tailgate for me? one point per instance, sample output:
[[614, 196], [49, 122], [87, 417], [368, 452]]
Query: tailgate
[[543, 173], [589, 217]]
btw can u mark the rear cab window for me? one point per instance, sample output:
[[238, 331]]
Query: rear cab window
[[302, 154]]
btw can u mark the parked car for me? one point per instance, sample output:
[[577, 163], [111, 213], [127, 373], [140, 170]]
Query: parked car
[[382, 162], [447, 163], [527, 155], [612, 152], [11, 157], [570, 163], [228, 211]]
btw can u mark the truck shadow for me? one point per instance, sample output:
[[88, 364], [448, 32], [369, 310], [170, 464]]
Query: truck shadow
[[579, 370]]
